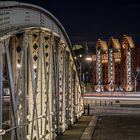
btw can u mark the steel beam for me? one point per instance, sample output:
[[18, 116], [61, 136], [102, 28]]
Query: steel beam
[[1, 90], [12, 89], [44, 86]]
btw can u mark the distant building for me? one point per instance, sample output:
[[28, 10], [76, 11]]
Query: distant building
[[115, 65]]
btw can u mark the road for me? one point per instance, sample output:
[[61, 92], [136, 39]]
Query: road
[[116, 123], [118, 128], [122, 96]]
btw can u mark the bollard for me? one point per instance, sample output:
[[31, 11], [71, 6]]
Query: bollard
[[100, 103], [84, 109], [88, 109]]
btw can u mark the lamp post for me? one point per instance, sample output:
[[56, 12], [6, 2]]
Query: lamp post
[[88, 59], [135, 78], [80, 63], [84, 60], [80, 66]]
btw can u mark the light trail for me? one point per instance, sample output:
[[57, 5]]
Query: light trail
[[127, 96]]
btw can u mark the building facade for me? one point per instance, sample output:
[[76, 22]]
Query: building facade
[[115, 64]]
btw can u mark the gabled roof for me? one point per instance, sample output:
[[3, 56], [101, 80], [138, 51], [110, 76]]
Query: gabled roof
[[127, 41], [114, 42], [102, 45]]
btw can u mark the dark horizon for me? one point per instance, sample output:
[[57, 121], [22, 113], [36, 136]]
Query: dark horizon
[[86, 21]]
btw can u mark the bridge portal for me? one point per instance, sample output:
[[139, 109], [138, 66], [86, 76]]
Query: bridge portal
[[40, 93]]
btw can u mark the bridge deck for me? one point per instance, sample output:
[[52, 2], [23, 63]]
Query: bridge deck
[[75, 132]]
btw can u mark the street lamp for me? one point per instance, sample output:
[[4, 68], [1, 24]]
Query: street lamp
[[82, 59], [79, 60], [88, 58]]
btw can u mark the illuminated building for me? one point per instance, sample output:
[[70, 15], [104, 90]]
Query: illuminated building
[[101, 64], [115, 64], [128, 62]]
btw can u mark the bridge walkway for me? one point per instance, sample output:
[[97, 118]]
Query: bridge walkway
[[76, 131]]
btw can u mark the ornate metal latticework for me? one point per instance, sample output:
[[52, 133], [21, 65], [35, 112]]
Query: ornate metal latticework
[[39, 84]]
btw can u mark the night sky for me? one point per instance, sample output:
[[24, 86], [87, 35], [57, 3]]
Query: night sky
[[88, 20]]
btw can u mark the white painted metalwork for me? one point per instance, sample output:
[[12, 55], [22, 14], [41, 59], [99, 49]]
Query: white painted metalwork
[[37, 68]]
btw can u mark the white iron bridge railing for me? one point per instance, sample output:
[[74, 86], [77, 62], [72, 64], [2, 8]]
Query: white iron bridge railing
[[40, 92]]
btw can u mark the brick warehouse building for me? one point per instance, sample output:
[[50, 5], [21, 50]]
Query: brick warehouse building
[[116, 64]]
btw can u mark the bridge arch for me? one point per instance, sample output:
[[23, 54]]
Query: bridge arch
[[38, 74]]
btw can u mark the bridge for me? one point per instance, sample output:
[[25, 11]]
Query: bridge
[[40, 93]]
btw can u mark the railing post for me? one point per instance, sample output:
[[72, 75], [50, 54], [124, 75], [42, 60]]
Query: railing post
[[88, 109]]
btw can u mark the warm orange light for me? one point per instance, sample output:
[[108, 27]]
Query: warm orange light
[[18, 65], [88, 58]]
